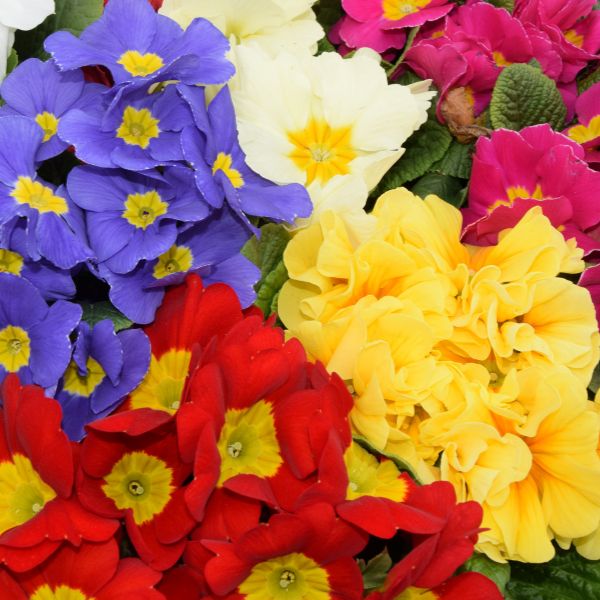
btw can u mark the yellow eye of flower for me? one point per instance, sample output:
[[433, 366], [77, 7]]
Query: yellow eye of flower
[[141, 210], [140, 482], [500, 59], [49, 124], [290, 577], [322, 151], [83, 385], [23, 493], [414, 593], [248, 443], [140, 65], [585, 133], [10, 262], [518, 191], [572, 36], [368, 477], [62, 592], [138, 127], [14, 348], [177, 259], [223, 163], [162, 387], [38, 196], [393, 10]]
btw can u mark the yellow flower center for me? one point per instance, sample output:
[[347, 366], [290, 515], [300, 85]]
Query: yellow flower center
[[83, 385], [177, 259], [14, 348], [223, 163], [49, 124], [514, 192], [140, 482], [62, 592], [369, 477], [572, 36], [38, 196], [248, 443], [393, 10], [290, 577], [23, 493], [322, 151], [141, 210], [162, 387], [140, 65], [413, 593], [582, 133], [138, 127], [10, 262], [500, 59]]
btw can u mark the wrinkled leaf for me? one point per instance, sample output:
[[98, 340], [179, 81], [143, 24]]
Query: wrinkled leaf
[[328, 12], [589, 80], [595, 382], [450, 189], [524, 96], [509, 5], [268, 288], [375, 571], [12, 61], [94, 313], [457, 161], [499, 573]]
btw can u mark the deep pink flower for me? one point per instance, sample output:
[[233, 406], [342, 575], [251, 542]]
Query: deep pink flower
[[373, 23], [514, 171], [587, 132]]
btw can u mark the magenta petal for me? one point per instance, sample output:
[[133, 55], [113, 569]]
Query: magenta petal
[[418, 18], [369, 35]]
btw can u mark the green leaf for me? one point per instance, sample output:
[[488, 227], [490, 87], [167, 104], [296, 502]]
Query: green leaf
[[425, 147], [499, 573], [268, 289], [589, 80], [595, 382], [70, 15], [567, 576], [12, 61], [457, 161], [94, 313], [325, 46], [524, 96], [450, 189], [374, 572], [509, 5], [328, 12]]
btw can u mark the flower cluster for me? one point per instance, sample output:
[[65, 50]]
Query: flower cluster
[[230, 470], [476, 357]]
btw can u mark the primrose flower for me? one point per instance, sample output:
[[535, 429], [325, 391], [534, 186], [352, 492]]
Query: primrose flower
[[587, 131], [132, 217], [514, 171], [139, 47], [34, 338], [130, 468], [76, 571], [373, 23], [38, 512], [37, 90], [305, 119], [137, 131], [274, 25], [51, 282], [220, 165], [49, 213], [105, 367], [210, 248], [16, 15]]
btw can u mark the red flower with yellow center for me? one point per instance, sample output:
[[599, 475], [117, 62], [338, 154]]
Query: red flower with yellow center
[[130, 468], [37, 510], [90, 572]]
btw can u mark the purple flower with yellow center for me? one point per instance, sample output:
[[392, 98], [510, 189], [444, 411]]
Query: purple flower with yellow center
[[139, 46], [137, 131], [51, 282], [106, 366], [220, 166], [587, 131], [132, 217], [210, 248], [48, 212], [37, 90], [34, 338]]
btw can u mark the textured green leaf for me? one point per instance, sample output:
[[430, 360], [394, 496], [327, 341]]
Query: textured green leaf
[[94, 313], [589, 80], [509, 5], [425, 147], [567, 576], [71, 15], [595, 382], [328, 12], [457, 161], [450, 189], [268, 288], [524, 96], [499, 573], [12, 62], [375, 571], [325, 46]]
